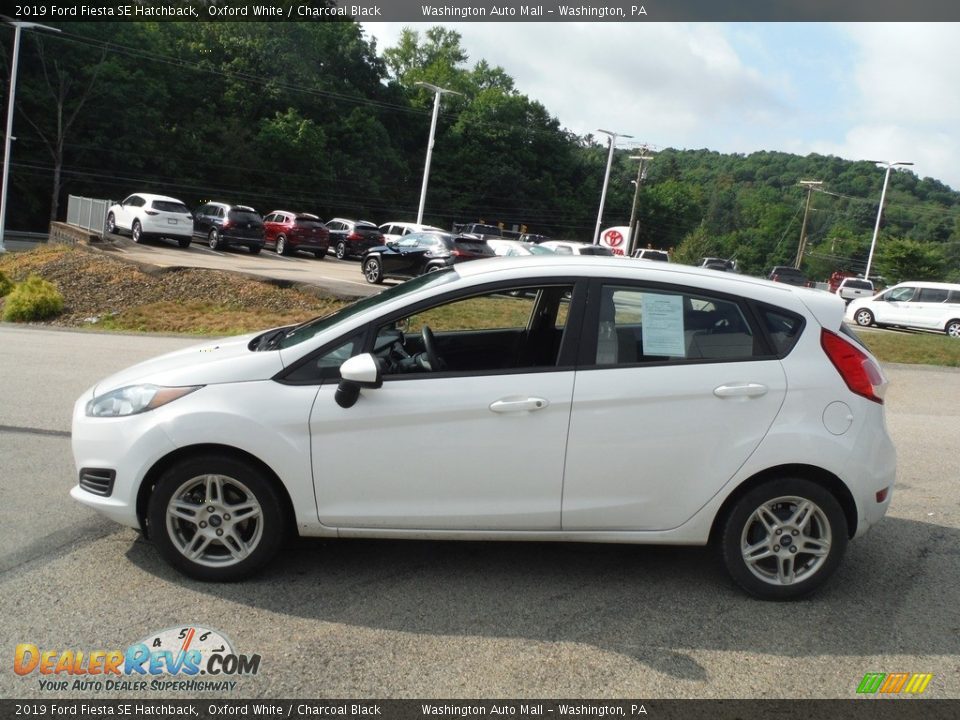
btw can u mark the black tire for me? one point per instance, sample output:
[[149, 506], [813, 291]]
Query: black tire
[[320, 254], [213, 239], [340, 250], [255, 249], [183, 242], [230, 548], [811, 520], [281, 246], [864, 318], [136, 232], [952, 328], [111, 224], [373, 270]]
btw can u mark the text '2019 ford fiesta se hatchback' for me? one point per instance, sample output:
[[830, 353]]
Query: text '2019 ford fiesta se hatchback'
[[536, 398]]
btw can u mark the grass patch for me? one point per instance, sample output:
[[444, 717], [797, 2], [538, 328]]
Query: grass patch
[[199, 318], [912, 348]]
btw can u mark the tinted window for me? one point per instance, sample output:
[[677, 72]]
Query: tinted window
[[783, 329], [244, 216], [167, 206], [308, 221], [901, 294], [954, 297], [931, 295]]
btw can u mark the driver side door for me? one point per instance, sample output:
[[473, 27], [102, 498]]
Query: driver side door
[[478, 445]]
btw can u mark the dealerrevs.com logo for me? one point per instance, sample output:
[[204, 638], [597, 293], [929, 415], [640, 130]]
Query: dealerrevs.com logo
[[188, 659], [894, 683]]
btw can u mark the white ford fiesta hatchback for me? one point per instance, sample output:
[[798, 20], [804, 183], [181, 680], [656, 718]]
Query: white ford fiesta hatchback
[[536, 398]]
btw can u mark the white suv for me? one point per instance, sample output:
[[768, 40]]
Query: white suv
[[921, 305], [853, 288], [144, 215], [396, 229]]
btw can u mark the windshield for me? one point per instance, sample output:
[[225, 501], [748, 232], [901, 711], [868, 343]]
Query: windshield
[[316, 326]]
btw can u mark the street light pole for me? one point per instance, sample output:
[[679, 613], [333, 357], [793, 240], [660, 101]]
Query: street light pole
[[433, 129], [631, 233], [18, 25], [883, 195], [606, 181]]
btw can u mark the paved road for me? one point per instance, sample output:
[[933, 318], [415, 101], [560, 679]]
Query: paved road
[[378, 619], [341, 277]]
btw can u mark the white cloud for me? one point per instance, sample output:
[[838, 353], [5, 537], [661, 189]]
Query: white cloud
[[870, 90]]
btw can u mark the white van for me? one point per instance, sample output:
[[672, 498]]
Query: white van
[[923, 305]]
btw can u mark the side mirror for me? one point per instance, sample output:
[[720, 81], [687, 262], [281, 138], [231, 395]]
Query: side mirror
[[360, 371]]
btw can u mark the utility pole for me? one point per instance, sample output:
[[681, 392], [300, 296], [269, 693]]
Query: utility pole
[[810, 185], [606, 180], [631, 234]]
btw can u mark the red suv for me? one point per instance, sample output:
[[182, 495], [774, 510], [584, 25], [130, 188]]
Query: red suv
[[286, 232]]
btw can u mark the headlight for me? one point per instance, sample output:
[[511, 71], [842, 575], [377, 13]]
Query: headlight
[[135, 399]]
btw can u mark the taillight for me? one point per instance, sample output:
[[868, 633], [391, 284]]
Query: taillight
[[151, 212], [227, 224], [858, 370], [457, 252], [355, 236]]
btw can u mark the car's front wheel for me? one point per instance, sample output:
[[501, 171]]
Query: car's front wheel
[[216, 518], [953, 328], [864, 318], [373, 270], [136, 232], [783, 539], [111, 223]]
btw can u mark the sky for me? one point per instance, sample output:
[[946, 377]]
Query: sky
[[862, 91]]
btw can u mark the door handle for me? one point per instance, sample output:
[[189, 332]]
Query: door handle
[[740, 390], [509, 405]]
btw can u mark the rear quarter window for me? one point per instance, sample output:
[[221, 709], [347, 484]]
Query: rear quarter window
[[783, 328]]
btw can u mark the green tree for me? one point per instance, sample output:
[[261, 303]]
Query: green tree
[[902, 259]]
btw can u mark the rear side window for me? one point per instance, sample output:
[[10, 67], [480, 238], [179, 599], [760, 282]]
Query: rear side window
[[931, 295], [167, 206], [642, 325]]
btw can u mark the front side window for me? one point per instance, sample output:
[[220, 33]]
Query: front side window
[[903, 294], [512, 330], [638, 325]]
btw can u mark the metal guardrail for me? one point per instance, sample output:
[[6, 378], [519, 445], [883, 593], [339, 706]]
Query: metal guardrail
[[88, 213]]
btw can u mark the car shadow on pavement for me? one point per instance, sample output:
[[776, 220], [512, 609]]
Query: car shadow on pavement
[[652, 604]]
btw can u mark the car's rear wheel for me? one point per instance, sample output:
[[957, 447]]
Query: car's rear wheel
[[953, 328], [184, 242], [111, 223], [340, 250], [282, 248], [254, 249], [213, 239], [373, 270], [216, 518], [136, 232], [320, 254], [864, 318], [784, 539]]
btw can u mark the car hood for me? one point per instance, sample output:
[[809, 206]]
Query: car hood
[[208, 363]]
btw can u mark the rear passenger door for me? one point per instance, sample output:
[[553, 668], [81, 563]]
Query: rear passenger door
[[675, 389]]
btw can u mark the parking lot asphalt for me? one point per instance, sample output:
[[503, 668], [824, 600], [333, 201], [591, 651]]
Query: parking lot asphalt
[[392, 619]]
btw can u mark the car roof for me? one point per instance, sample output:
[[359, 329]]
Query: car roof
[[151, 196], [929, 284]]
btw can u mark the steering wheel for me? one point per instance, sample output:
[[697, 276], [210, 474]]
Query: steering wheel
[[430, 347]]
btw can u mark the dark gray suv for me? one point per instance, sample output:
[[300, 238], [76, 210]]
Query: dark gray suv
[[224, 225]]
